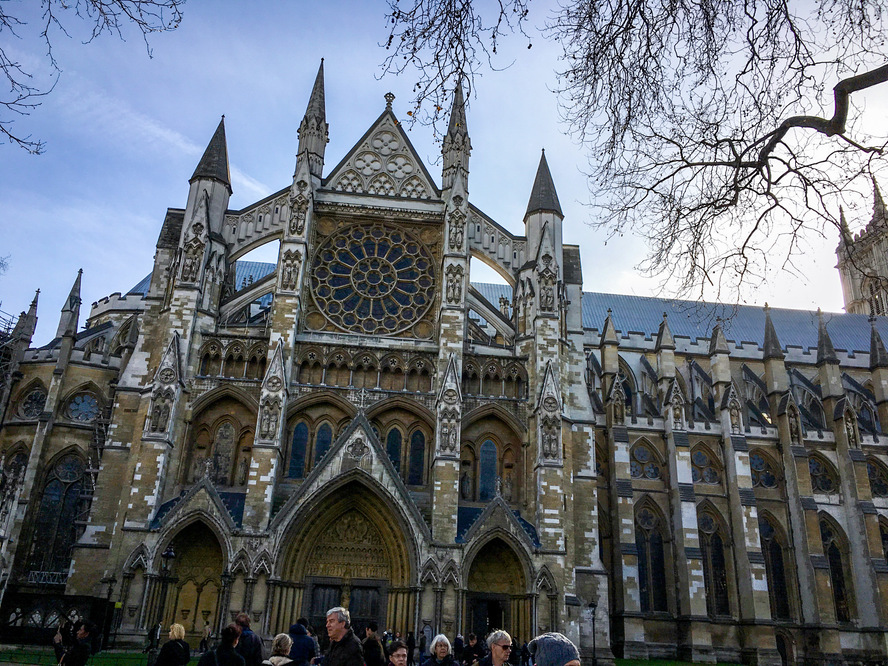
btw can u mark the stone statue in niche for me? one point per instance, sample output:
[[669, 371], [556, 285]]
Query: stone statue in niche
[[269, 423], [850, 430], [677, 421], [454, 284], [465, 486], [243, 470], [795, 431], [619, 411], [457, 230], [547, 297], [198, 466], [290, 269], [508, 484], [736, 425]]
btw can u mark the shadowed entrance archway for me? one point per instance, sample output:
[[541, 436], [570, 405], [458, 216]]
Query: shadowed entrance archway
[[496, 596], [350, 548]]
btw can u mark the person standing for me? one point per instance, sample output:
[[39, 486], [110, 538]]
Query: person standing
[[249, 645], [345, 648], [303, 649], [474, 652], [525, 655], [374, 655], [554, 649], [280, 651], [440, 652], [226, 654], [78, 654], [411, 647], [500, 644], [398, 655], [458, 648], [175, 652], [205, 641]]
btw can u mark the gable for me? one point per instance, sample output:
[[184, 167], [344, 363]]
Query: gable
[[383, 163]]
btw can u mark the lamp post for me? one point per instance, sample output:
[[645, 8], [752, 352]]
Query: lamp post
[[593, 606]]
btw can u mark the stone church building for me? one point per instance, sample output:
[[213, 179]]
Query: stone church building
[[361, 424]]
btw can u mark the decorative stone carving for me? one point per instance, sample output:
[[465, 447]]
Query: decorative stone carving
[[268, 423], [350, 548], [191, 264], [677, 414], [795, 427], [465, 486], [549, 438], [454, 274], [450, 424], [548, 281], [457, 230], [358, 448], [851, 428], [290, 266], [736, 421], [161, 408]]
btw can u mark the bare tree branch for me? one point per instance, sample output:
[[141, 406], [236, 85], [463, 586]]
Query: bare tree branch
[[98, 16]]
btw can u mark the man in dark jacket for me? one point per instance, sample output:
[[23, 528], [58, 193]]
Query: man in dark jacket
[[226, 654], [249, 646], [303, 649], [79, 653], [374, 655], [345, 648]]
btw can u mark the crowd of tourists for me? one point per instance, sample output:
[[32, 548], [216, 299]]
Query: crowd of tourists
[[238, 645]]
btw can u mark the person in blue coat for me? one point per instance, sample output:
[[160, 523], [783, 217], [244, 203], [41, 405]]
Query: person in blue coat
[[303, 651]]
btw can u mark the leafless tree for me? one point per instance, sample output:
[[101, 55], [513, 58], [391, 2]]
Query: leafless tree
[[709, 124], [60, 17]]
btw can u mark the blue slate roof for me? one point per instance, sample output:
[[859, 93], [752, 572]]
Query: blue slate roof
[[467, 515], [243, 272], [234, 504]]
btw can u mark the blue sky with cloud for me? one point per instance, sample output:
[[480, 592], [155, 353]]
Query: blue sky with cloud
[[124, 132]]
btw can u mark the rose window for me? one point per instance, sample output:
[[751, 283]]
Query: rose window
[[32, 405], [373, 279], [83, 407]]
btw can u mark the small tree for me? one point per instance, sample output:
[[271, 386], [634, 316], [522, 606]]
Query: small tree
[[709, 125], [58, 16]]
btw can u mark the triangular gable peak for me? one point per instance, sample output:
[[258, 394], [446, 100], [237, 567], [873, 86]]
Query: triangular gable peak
[[356, 452], [275, 380], [498, 515], [450, 392], [204, 498], [383, 163], [170, 369], [550, 395], [674, 401]]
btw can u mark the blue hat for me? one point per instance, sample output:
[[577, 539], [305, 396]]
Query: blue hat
[[553, 650]]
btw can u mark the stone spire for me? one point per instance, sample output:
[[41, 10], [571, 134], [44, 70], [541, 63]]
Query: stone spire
[[664, 335], [457, 146], [845, 237], [543, 197], [880, 215], [27, 322], [314, 130], [878, 354], [71, 310], [717, 342], [771, 347], [214, 163], [826, 353]]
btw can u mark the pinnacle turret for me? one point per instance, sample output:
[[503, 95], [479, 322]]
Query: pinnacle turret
[[878, 354], [457, 146], [314, 130], [214, 163], [826, 353], [664, 335], [717, 342], [71, 310], [543, 197], [27, 321], [771, 347], [880, 215]]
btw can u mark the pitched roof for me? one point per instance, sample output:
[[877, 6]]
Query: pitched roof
[[214, 163]]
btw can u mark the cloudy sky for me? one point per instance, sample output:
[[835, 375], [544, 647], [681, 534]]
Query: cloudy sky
[[124, 132]]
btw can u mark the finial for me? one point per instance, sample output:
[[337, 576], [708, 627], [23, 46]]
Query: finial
[[80, 272], [608, 312], [665, 316], [389, 98]]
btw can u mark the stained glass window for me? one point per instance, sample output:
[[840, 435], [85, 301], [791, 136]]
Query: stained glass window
[[61, 516], [297, 451], [83, 407], [393, 448], [487, 481], [715, 574], [643, 464], [702, 469], [417, 458], [651, 561], [373, 279], [877, 478], [823, 479], [836, 563], [32, 405], [762, 472], [775, 569], [322, 441]]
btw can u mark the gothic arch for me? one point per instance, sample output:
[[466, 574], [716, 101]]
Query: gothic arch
[[430, 574], [224, 391], [119, 339], [505, 273], [354, 493], [241, 562], [421, 411], [263, 564], [497, 411], [545, 581], [450, 574], [316, 397], [515, 545], [84, 387], [138, 559], [185, 521]]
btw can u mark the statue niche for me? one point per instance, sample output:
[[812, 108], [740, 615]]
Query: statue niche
[[220, 444]]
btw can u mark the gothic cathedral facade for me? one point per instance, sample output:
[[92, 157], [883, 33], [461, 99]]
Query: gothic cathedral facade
[[360, 424]]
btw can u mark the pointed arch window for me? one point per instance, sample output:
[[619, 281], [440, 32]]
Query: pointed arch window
[[32, 406], [61, 516], [417, 458], [323, 439], [651, 561], [703, 469], [836, 559], [775, 569], [297, 451], [878, 478], [487, 476], [643, 463], [763, 475], [715, 573], [83, 407], [823, 477], [393, 447]]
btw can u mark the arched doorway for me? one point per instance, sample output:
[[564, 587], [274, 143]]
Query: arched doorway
[[349, 549], [496, 596], [195, 580]]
